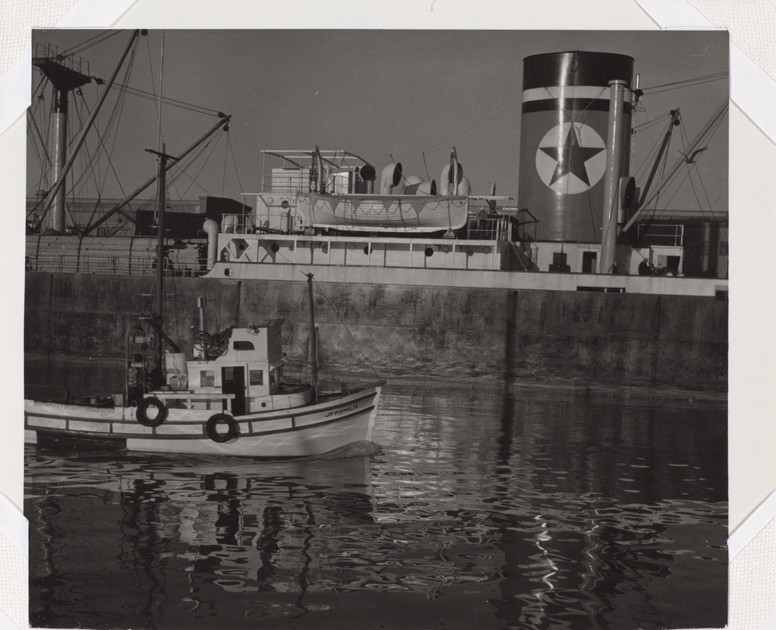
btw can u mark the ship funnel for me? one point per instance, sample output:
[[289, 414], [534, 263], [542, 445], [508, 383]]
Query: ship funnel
[[563, 140], [390, 177]]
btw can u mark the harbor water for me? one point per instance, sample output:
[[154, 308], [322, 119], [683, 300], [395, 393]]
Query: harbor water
[[477, 506]]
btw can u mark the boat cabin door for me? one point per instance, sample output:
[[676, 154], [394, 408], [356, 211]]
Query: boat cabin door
[[233, 382]]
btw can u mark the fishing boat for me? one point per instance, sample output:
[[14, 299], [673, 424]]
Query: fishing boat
[[230, 398]]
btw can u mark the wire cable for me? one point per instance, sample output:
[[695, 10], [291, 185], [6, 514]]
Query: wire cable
[[182, 172], [89, 43], [112, 125], [234, 160], [686, 82], [649, 123], [170, 101]]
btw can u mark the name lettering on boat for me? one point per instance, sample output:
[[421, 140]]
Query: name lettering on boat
[[338, 412]]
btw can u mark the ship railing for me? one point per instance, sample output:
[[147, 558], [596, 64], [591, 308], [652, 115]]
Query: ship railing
[[237, 224], [246, 224], [670, 234], [108, 265], [62, 57], [363, 251], [488, 228], [210, 400], [525, 219]]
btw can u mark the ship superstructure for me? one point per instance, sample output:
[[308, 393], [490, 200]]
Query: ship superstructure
[[580, 222]]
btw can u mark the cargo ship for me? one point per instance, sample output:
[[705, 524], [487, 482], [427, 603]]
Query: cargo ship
[[582, 223], [581, 219]]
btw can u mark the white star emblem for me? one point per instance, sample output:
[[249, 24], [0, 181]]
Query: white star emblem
[[571, 158]]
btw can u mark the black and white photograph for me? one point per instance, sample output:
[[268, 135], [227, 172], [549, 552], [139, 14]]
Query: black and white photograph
[[394, 329]]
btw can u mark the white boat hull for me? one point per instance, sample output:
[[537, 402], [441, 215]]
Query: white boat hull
[[303, 431]]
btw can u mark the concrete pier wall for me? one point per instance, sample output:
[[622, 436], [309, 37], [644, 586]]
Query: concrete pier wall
[[78, 323]]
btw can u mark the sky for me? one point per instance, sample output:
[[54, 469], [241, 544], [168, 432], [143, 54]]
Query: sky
[[404, 96]]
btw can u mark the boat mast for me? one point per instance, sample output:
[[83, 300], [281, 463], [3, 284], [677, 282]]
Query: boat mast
[[161, 200], [313, 339]]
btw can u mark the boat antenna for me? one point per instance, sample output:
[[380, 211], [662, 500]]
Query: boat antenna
[[159, 103], [313, 338]]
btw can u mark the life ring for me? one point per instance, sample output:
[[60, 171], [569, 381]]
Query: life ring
[[142, 412], [211, 428]]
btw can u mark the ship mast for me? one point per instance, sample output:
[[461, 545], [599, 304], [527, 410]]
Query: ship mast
[[615, 142], [66, 79]]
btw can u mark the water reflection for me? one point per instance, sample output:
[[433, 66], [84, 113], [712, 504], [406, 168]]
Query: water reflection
[[154, 534], [591, 507], [530, 508]]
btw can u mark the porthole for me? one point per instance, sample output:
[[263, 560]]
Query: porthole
[[429, 252], [274, 247]]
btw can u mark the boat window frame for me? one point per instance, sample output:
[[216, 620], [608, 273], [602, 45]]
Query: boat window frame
[[251, 372], [207, 378], [242, 345]]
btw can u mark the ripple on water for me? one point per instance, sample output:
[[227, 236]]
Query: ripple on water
[[537, 509]]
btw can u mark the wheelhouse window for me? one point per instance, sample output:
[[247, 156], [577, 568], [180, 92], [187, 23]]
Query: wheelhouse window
[[242, 345], [207, 378], [256, 377]]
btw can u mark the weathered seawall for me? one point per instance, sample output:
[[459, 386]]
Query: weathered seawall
[[77, 324]]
